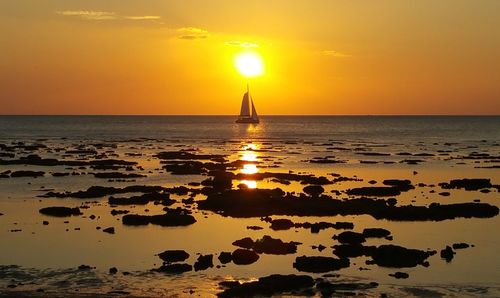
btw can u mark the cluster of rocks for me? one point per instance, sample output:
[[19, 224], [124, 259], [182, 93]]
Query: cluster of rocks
[[316, 227], [267, 202]]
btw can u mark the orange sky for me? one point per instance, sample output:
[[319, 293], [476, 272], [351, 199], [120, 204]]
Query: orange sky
[[320, 56]]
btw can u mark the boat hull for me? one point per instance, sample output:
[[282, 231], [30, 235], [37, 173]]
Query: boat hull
[[247, 120]]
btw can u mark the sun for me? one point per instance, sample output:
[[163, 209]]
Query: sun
[[249, 64]]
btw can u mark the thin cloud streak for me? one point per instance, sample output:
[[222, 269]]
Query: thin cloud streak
[[192, 33], [89, 14], [103, 15], [192, 37], [142, 18]]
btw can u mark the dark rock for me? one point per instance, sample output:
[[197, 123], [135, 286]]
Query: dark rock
[[447, 254], [163, 198], [33, 174], [101, 191], [412, 161], [60, 211], [221, 180], [36, 160], [460, 245], [400, 275], [45, 223], [171, 256], [392, 202], [342, 225], [268, 286], [281, 224], [225, 257], [350, 237], [188, 168], [467, 184], [376, 233], [113, 270], [374, 154], [267, 245], [109, 230], [84, 267], [444, 194], [314, 190], [177, 268], [204, 262], [401, 185], [246, 242], [166, 220], [318, 264], [60, 174], [398, 257], [115, 212], [254, 228], [244, 256], [281, 181], [352, 250]]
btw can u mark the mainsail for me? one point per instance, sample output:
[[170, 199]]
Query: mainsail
[[245, 106]]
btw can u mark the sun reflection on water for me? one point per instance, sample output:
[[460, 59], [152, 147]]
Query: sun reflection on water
[[250, 166], [249, 169], [249, 156], [250, 183], [250, 146]]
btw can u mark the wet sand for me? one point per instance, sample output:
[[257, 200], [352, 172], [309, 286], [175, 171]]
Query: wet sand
[[331, 217]]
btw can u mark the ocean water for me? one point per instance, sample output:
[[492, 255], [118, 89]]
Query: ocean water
[[371, 149], [374, 128]]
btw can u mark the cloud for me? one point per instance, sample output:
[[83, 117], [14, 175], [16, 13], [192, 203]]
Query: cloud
[[103, 15], [192, 33], [193, 36], [142, 18], [89, 14], [194, 30], [333, 53], [243, 44]]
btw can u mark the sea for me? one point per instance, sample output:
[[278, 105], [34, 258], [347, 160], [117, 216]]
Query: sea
[[40, 255]]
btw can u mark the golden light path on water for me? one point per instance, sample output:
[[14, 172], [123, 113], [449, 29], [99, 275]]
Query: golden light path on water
[[249, 168]]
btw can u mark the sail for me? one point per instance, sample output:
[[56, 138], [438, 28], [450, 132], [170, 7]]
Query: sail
[[254, 112], [245, 106]]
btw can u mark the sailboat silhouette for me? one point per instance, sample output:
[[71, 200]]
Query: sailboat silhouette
[[247, 115]]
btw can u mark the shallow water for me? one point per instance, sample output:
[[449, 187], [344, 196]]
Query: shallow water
[[46, 256]]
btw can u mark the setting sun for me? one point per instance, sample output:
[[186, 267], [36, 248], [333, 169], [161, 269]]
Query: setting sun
[[249, 64]]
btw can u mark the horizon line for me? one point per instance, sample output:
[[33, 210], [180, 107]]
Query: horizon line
[[265, 115]]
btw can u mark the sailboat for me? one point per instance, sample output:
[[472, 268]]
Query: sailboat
[[245, 115]]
